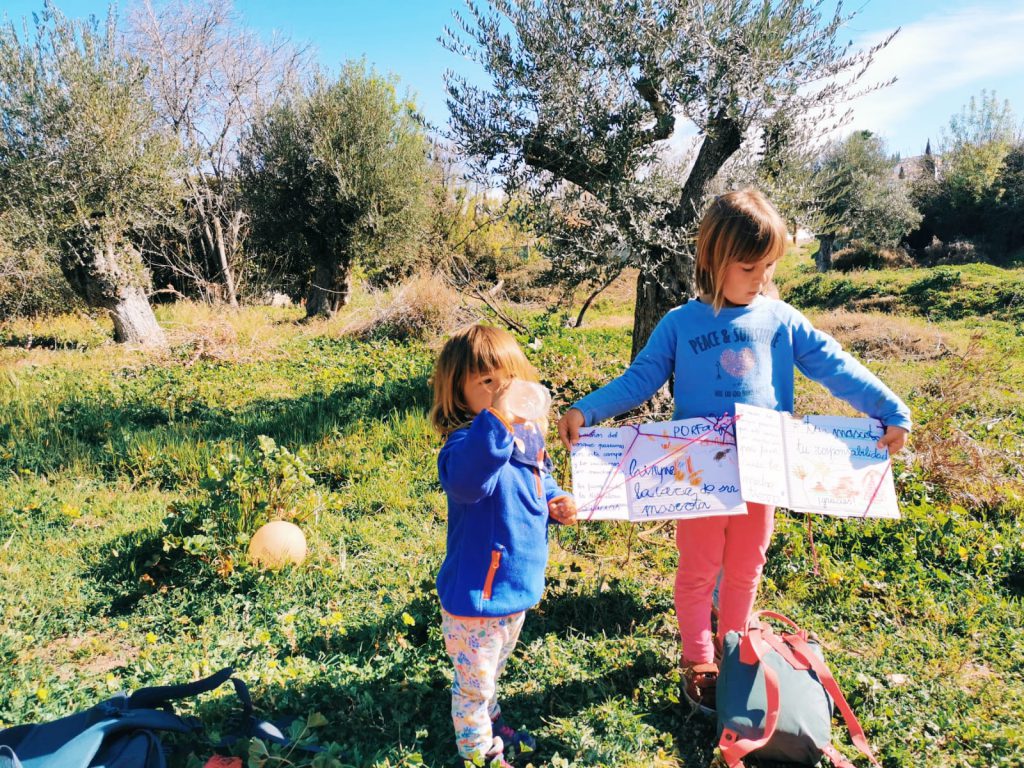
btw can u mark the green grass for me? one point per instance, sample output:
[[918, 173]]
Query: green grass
[[940, 293], [921, 618]]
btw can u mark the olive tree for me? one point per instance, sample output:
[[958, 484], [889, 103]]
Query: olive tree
[[209, 77], [82, 162], [586, 93], [865, 201], [335, 176]]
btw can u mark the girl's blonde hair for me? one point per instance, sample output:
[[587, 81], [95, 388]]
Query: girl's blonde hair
[[741, 225], [472, 350]]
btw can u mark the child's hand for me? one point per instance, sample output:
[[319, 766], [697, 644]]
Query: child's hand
[[499, 403], [563, 510], [894, 439], [569, 427]]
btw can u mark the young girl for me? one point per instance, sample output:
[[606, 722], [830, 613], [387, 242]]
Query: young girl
[[732, 344], [497, 476]]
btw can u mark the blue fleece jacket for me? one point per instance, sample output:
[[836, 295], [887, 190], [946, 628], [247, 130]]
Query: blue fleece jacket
[[741, 355], [498, 496]]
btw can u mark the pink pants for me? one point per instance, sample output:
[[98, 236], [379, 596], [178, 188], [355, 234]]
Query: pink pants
[[734, 545]]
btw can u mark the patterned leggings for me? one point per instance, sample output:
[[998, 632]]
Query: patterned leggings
[[479, 648]]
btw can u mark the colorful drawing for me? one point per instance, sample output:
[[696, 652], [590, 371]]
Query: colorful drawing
[[657, 471], [824, 464], [704, 467]]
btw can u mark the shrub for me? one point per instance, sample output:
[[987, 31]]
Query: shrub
[[525, 282], [862, 255], [957, 252], [944, 449], [421, 309], [237, 496], [31, 285], [882, 337]]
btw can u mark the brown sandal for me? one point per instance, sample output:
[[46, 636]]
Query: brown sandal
[[699, 684]]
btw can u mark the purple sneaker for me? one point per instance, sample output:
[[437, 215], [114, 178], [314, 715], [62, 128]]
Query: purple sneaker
[[521, 741], [495, 757]]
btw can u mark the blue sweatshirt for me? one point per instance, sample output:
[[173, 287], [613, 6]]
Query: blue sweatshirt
[[741, 355], [498, 493]]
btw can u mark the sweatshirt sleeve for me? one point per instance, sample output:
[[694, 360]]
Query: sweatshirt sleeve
[[640, 381], [472, 459], [820, 357], [551, 489]]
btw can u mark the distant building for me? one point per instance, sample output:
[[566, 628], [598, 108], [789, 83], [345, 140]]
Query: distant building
[[920, 166]]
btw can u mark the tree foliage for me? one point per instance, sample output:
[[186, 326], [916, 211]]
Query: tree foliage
[[976, 194], [584, 93], [78, 146], [334, 176], [474, 234], [864, 200], [973, 149]]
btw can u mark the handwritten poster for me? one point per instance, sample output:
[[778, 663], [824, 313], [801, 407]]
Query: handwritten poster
[[825, 464], [655, 471]]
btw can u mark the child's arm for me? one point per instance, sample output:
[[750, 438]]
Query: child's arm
[[639, 382], [821, 358], [471, 459]]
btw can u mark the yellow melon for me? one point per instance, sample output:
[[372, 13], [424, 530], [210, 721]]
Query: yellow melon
[[277, 544]]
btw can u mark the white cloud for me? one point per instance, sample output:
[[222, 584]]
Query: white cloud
[[936, 57]]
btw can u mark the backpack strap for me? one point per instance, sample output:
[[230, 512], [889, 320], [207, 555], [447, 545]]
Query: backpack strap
[[781, 647], [8, 759], [160, 695], [779, 617], [753, 648], [857, 736]]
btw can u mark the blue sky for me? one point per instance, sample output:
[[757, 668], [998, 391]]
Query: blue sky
[[947, 51]]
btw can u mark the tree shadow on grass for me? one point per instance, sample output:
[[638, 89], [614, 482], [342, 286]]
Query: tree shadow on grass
[[378, 719], [110, 432], [133, 567], [387, 710], [307, 419], [1013, 582], [117, 570], [612, 612]]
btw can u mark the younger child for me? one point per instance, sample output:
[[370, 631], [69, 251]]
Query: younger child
[[496, 474], [732, 344]]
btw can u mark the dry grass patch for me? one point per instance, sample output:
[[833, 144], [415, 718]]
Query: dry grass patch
[[204, 332], [875, 336], [92, 653], [423, 308], [971, 472]]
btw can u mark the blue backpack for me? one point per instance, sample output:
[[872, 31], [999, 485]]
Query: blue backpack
[[776, 697], [121, 732]]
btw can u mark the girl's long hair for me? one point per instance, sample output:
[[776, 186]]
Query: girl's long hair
[[472, 350], [738, 226]]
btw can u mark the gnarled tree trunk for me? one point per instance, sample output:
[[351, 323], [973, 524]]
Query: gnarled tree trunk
[[113, 277], [823, 258], [331, 287], [670, 279], [134, 321]]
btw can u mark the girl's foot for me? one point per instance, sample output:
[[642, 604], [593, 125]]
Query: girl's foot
[[495, 757], [699, 684], [522, 742]]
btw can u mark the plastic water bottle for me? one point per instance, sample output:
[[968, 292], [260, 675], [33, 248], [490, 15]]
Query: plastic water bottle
[[528, 400]]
